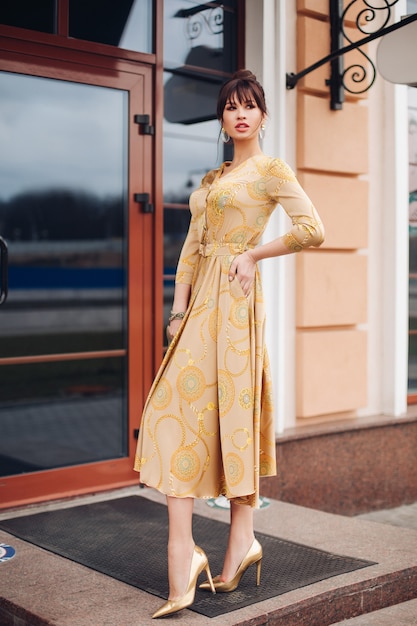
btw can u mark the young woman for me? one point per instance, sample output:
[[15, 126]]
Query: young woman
[[207, 427]]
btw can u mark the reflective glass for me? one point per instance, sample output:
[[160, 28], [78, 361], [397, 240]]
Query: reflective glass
[[411, 6], [60, 414], [126, 24], [40, 16], [200, 46], [63, 213], [412, 177], [200, 34], [190, 151]]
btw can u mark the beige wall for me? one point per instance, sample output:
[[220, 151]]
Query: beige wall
[[331, 285]]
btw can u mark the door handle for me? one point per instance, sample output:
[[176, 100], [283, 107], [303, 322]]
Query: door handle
[[4, 265]]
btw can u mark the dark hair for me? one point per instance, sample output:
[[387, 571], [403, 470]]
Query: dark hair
[[243, 86]]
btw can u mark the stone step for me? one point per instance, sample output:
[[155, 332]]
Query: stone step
[[39, 588], [404, 614]]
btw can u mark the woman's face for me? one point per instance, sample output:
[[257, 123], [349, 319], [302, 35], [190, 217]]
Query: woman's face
[[242, 120]]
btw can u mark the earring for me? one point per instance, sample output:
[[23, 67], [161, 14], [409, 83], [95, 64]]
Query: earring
[[262, 131], [225, 136]]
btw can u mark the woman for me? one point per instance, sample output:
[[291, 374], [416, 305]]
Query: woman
[[207, 427]]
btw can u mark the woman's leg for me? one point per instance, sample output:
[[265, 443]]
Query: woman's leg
[[241, 537], [180, 544]]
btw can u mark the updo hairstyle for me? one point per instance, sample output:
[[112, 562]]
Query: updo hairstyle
[[242, 87]]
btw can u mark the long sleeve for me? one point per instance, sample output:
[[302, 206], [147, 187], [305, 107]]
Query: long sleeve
[[190, 249], [189, 254], [307, 228]]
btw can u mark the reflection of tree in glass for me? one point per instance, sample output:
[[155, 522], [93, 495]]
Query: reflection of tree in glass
[[61, 214]]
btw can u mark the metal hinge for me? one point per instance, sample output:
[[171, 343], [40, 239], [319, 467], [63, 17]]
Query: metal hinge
[[143, 199], [143, 121]]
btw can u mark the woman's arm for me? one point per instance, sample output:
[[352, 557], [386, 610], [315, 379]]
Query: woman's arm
[[306, 230], [183, 278]]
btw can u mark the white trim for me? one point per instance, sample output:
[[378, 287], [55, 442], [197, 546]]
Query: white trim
[[395, 257], [388, 246], [266, 56]]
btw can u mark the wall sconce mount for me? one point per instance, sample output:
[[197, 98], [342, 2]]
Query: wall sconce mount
[[356, 73]]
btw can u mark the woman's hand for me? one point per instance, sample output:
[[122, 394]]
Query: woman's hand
[[172, 329], [243, 268]]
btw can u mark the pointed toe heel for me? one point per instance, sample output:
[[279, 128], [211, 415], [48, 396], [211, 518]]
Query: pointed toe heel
[[253, 556], [199, 563]]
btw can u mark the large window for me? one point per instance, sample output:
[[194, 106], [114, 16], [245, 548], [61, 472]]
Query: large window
[[200, 53], [125, 24], [40, 16]]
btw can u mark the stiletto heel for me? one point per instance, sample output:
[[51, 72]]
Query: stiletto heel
[[258, 572], [199, 562], [253, 555], [210, 579]]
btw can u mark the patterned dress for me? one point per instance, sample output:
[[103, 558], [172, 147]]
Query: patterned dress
[[208, 424]]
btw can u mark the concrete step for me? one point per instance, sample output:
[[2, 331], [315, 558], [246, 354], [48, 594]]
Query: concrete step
[[39, 588]]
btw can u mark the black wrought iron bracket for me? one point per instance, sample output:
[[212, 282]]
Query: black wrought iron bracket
[[359, 76]]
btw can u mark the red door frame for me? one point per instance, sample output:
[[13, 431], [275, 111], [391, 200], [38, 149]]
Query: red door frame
[[144, 245]]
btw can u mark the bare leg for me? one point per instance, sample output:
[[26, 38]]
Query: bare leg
[[241, 537], [180, 544]]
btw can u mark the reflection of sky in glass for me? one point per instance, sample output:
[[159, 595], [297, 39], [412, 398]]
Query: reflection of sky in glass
[[186, 160], [411, 6], [189, 150], [176, 41], [60, 134], [137, 34]]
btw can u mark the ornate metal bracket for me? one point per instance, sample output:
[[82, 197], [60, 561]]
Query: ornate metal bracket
[[356, 78], [207, 16]]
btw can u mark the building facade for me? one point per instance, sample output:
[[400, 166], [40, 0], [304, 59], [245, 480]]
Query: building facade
[[107, 126]]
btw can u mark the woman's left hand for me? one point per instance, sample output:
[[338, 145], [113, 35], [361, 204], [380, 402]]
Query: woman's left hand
[[172, 329], [243, 268]]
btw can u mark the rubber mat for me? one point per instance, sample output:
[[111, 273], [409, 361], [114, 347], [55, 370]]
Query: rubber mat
[[126, 539]]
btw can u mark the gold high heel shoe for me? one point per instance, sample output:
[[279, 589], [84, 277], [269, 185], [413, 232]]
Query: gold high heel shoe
[[253, 555], [199, 562]]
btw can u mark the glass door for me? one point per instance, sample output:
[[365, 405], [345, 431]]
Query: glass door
[[72, 160]]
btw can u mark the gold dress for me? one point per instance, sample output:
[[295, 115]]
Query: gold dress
[[208, 424]]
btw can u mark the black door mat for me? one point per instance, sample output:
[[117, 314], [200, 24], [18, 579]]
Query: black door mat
[[126, 539]]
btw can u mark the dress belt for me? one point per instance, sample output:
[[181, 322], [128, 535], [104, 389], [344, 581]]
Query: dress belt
[[215, 249]]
